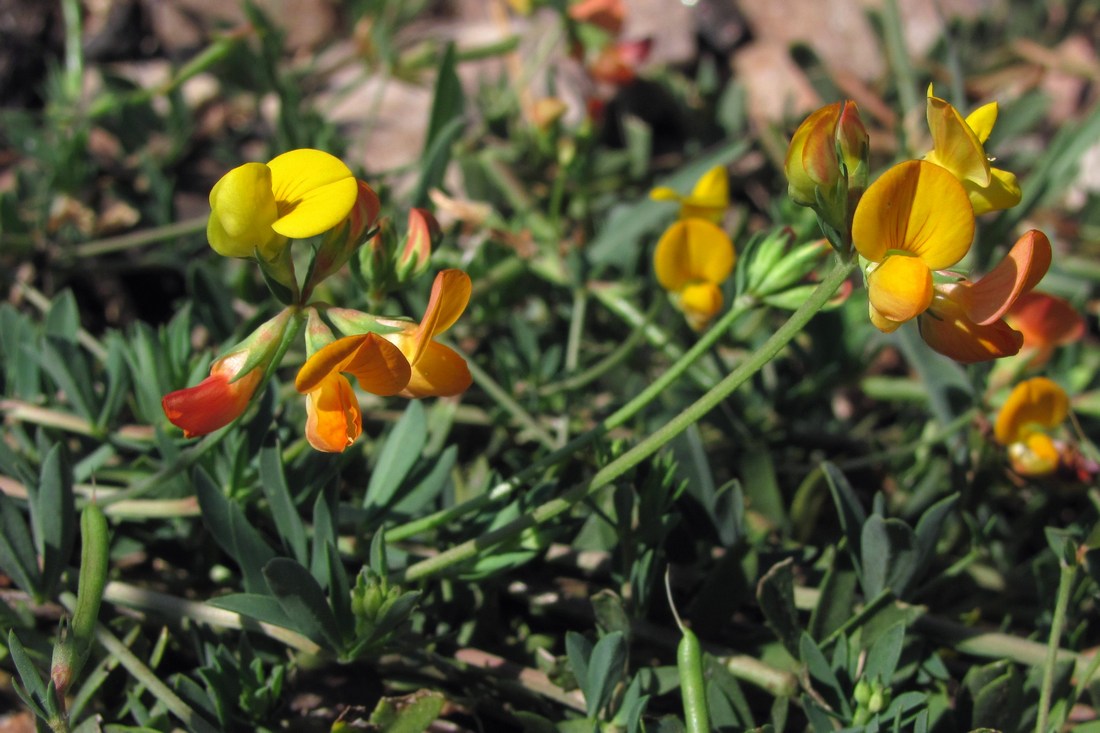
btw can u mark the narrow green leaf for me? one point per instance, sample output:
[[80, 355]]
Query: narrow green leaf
[[17, 555], [63, 317], [578, 649], [53, 515], [397, 457], [263, 608], [884, 654], [410, 714], [929, 526], [28, 673], [117, 381], [775, 593], [283, 511], [233, 532], [68, 368], [303, 601], [836, 603], [606, 666], [848, 509]]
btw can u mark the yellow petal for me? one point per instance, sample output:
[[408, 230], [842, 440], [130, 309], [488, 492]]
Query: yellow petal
[[333, 421], [811, 156], [981, 121], [900, 288], [379, 366], [693, 250], [314, 191], [1003, 192], [243, 209], [700, 302], [915, 207], [1037, 402], [710, 197], [954, 145], [326, 361], [664, 193], [881, 322], [1037, 455], [440, 372]]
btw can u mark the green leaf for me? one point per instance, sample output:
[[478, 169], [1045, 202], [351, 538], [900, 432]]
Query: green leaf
[[28, 674], [283, 511], [430, 486], [233, 532], [409, 714], [303, 601], [884, 654], [18, 335], [818, 667], [889, 556], [264, 608], [117, 381], [775, 593], [578, 649], [68, 369], [445, 124], [848, 509], [929, 526], [836, 601], [53, 516], [605, 669], [17, 555], [397, 457], [63, 318]]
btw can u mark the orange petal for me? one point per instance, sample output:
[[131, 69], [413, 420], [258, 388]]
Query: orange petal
[[379, 366], [945, 327], [450, 295], [1037, 455], [988, 299], [330, 359], [900, 288], [915, 207], [214, 402], [1045, 320], [881, 322], [333, 421], [440, 372], [1033, 402]]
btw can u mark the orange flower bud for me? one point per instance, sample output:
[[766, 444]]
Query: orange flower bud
[[216, 401], [811, 161]]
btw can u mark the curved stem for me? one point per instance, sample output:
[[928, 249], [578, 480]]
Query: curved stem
[[471, 548], [619, 417], [1061, 605]]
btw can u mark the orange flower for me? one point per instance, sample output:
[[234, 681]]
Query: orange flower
[[606, 14], [965, 320], [215, 401], [404, 359]]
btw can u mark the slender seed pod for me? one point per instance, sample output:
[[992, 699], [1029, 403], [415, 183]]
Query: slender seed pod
[[689, 664], [94, 557]]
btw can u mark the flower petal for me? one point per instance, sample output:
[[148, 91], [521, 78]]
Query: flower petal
[[915, 207], [990, 297], [955, 146], [379, 366], [881, 322], [981, 121], [333, 420], [214, 402], [1045, 320], [700, 302], [945, 327], [693, 250], [900, 288], [1033, 402], [450, 295], [326, 361], [440, 372], [710, 197], [242, 210], [1003, 192], [1036, 455], [314, 190]]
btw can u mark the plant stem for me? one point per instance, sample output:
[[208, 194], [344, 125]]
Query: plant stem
[[616, 419], [471, 548], [513, 408], [141, 238], [1065, 586]]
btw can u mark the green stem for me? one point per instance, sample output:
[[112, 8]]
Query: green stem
[[471, 548], [74, 49], [616, 419], [576, 329], [1065, 586], [513, 408], [147, 677], [141, 238]]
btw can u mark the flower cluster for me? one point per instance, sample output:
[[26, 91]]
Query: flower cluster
[[694, 256], [256, 211], [916, 222]]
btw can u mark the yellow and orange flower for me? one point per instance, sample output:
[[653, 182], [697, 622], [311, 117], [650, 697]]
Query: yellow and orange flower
[[1034, 407], [914, 220], [966, 319], [693, 258], [404, 360], [958, 146], [256, 207], [217, 400]]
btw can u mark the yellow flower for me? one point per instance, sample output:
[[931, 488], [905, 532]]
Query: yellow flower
[[709, 198], [958, 146], [915, 219], [257, 207], [692, 260], [1034, 407], [966, 319]]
